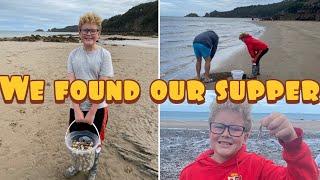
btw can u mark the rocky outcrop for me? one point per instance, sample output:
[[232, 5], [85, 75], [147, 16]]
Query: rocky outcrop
[[54, 38], [192, 15]]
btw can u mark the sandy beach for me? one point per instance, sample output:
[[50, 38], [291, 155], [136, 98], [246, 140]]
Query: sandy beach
[[32, 136], [182, 141], [293, 52]]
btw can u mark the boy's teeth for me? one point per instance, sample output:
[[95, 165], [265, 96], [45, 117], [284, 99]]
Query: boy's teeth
[[226, 143]]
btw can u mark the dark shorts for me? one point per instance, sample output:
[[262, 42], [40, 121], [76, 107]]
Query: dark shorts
[[100, 120]]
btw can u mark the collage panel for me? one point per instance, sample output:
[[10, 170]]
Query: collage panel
[[60, 131], [252, 41], [211, 41], [160, 89], [239, 141]]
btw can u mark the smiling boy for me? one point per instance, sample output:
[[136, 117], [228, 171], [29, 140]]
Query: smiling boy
[[230, 126], [89, 62]]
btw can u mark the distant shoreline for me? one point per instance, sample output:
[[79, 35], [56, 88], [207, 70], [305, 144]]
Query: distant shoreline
[[256, 19], [114, 40], [306, 125]]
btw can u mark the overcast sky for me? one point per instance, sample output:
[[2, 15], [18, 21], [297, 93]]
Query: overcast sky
[[184, 7], [30, 15]]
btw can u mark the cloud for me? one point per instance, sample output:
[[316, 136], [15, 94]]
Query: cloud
[[45, 14]]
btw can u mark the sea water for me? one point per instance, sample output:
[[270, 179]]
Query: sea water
[[177, 60]]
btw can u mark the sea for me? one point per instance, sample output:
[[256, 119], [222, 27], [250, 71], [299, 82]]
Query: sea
[[177, 60], [195, 116]]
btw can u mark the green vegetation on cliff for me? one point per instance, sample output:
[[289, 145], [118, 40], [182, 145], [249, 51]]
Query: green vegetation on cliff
[[139, 20], [192, 15], [285, 10]]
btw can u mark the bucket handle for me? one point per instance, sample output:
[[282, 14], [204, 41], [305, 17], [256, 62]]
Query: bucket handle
[[95, 127]]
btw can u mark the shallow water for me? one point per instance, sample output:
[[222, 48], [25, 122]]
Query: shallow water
[[177, 34]]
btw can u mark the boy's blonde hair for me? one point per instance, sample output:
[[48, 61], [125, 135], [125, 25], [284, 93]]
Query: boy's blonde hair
[[244, 109], [90, 18]]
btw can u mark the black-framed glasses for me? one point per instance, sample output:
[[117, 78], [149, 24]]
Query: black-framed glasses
[[92, 31], [234, 130]]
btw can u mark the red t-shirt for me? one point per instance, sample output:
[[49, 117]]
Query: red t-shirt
[[250, 166]]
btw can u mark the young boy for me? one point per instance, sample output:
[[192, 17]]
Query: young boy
[[257, 49], [230, 126], [89, 62], [205, 46]]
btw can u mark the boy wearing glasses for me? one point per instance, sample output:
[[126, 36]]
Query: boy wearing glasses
[[89, 62], [230, 126]]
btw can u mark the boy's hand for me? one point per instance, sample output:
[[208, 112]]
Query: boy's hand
[[78, 116], [89, 117], [279, 126]]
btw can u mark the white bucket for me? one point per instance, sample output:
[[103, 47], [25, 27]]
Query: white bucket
[[237, 74], [83, 160]]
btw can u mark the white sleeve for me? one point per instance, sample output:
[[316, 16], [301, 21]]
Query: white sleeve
[[106, 68], [69, 65]]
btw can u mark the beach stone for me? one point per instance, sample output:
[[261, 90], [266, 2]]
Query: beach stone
[[128, 170], [13, 124]]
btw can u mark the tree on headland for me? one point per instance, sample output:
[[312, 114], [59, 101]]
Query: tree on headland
[[73, 28], [192, 15], [285, 10], [139, 20]]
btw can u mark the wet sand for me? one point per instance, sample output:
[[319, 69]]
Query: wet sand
[[293, 52]]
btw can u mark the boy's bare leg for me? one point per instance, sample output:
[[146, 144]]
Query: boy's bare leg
[[254, 71], [94, 169], [207, 67], [70, 172], [198, 67]]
